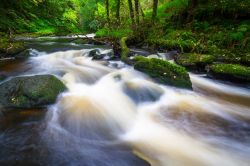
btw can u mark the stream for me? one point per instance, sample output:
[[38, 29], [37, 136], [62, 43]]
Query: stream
[[112, 115]]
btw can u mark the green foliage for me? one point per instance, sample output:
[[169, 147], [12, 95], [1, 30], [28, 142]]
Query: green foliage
[[172, 8], [212, 9], [201, 25], [50, 16], [94, 25], [115, 33]]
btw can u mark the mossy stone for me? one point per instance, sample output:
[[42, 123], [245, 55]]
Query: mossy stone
[[163, 72], [124, 50], [9, 48], [232, 72], [194, 61], [30, 91]]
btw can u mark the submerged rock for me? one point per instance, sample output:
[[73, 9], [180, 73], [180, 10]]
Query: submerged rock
[[140, 52], [231, 72], [163, 72], [171, 54], [94, 52], [142, 93], [194, 61], [97, 55], [30, 91], [24, 54]]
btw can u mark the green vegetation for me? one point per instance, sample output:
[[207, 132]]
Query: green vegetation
[[202, 31], [231, 72], [114, 33], [42, 17], [194, 61], [163, 72]]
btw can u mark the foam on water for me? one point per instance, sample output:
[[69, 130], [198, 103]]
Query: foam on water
[[177, 127]]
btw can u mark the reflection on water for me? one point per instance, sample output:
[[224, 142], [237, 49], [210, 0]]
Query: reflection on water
[[113, 116]]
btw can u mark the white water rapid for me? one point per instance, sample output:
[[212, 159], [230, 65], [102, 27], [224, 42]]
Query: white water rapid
[[163, 125]]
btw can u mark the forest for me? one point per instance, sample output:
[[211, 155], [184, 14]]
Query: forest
[[125, 82], [216, 27]]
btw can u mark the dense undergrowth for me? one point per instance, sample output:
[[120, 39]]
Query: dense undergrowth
[[227, 42], [41, 17]]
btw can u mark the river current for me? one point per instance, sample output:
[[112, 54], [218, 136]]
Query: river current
[[113, 115]]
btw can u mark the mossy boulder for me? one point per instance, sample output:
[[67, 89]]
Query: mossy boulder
[[30, 91], [97, 55], [231, 72], [10, 48], [163, 72], [194, 61]]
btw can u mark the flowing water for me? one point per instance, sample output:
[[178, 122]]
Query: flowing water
[[112, 115]]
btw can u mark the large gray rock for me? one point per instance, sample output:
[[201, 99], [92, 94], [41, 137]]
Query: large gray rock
[[30, 91]]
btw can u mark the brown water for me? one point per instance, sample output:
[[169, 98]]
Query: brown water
[[120, 117]]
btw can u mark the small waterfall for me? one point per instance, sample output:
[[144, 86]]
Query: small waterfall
[[106, 107]]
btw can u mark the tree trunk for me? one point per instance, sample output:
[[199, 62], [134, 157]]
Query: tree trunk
[[190, 10], [118, 6], [142, 12], [130, 4], [155, 6], [107, 10], [137, 12]]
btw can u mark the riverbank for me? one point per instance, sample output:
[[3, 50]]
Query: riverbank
[[182, 46], [197, 45]]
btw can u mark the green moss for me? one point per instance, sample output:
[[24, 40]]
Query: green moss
[[175, 44], [19, 101], [4, 43], [232, 72], [163, 72], [49, 90], [8, 47], [30, 91], [194, 60], [124, 50]]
